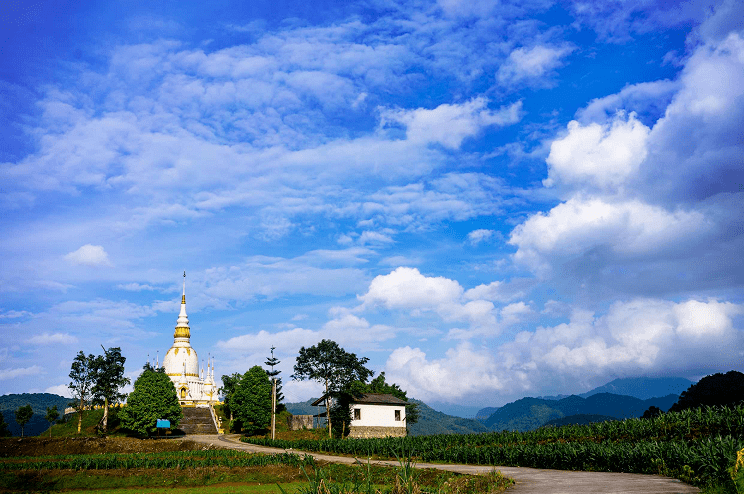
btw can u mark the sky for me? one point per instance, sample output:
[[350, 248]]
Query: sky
[[488, 200]]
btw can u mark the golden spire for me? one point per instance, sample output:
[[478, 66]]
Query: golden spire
[[182, 324]]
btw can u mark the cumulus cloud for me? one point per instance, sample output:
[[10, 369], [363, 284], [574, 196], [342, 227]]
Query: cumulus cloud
[[636, 337], [89, 255], [408, 290], [450, 124], [628, 229], [464, 371], [600, 155]]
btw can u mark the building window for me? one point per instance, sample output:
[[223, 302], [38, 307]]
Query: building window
[[357, 414], [397, 415]]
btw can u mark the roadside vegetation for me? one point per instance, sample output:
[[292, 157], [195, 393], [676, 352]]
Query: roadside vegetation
[[698, 446]]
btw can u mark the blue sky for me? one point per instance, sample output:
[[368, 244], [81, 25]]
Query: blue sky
[[489, 200]]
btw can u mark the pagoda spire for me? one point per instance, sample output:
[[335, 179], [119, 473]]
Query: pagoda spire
[[182, 324]]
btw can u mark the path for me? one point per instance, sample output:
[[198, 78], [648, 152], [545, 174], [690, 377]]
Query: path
[[528, 480]]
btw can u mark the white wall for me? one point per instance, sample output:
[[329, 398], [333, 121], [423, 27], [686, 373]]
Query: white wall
[[378, 415]]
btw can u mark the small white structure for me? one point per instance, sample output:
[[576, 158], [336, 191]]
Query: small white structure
[[376, 415]]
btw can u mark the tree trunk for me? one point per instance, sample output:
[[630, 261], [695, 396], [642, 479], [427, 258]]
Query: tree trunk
[[328, 411], [105, 414], [80, 415]]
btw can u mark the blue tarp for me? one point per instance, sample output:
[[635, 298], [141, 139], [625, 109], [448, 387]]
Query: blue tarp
[[163, 424]]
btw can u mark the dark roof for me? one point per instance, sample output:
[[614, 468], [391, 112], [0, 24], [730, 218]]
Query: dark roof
[[370, 399]]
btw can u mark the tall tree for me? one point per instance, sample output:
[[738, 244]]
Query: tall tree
[[109, 379], [154, 397], [271, 362], [83, 377], [332, 366], [23, 415], [4, 431], [251, 401], [51, 416], [229, 385]]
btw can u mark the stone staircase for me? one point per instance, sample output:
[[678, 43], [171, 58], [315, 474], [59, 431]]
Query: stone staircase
[[197, 421]]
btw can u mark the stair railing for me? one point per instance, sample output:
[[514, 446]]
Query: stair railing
[[214, 417]]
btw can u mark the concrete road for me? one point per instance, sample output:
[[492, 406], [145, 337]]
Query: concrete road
[[528, 480]]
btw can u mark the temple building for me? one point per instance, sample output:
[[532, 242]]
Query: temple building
[[181, 363]]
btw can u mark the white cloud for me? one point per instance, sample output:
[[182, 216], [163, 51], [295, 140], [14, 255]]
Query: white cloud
[[34, 370], [464, 371], [449, 124], [89, 255], [15, 314], [629, 229], [285, 341], [135, 287], [477, 236], [531, 64], [600, 155], [52, 339], [60, 389], [644, 97]]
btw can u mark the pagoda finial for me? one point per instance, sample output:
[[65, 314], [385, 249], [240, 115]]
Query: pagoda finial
[[183, 297]]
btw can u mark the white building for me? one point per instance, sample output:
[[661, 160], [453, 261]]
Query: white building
[[182, 365], [375, 415]]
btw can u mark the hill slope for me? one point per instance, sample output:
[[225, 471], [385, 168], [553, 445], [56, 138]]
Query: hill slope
[[531, 413], [39, 403]]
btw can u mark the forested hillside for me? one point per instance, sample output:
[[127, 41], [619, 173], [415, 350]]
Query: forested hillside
[[529, 413], [39, 403]]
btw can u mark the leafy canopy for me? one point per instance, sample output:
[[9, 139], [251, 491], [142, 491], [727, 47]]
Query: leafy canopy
[[109, 377], [229, 385], [251, 401], [4, 431], [154, 397], [714, 390], [335, 368], [331, 365], [23, 415]]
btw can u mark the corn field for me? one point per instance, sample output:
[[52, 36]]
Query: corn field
[[176, 459], [699, 445]]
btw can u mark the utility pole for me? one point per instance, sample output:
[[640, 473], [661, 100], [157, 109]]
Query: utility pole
[[273, 408]]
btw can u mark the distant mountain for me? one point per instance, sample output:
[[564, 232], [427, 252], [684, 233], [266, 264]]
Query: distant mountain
[[39, 403], [531, 413], [580, 419], [433, 422], [484, 413], [643, 387], [430, 421]]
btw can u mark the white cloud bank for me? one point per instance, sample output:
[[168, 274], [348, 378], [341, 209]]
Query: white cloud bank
[[641, 336]]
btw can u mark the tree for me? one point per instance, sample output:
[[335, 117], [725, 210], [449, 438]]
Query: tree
[[652, 412], [271, 362], [332, 366], [109, 379], [52, 415], [23, 415], [229, 385], [154, 397], [251, 401], [4, 431], [714, 390], [83, 377]]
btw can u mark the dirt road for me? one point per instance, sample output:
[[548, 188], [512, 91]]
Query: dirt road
[[528, 480]]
